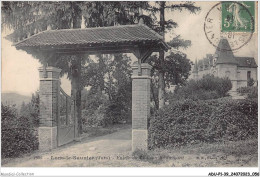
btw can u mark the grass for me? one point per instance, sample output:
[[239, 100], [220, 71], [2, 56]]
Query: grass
[[237, 148], [239, 153]]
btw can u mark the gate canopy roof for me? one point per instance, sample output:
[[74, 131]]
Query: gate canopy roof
[[123, 39]]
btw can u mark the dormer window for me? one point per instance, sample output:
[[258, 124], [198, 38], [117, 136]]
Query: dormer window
[[248, 61]]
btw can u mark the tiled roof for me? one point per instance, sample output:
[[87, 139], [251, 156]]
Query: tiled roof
[[225, 56], [89, 36], [246, 62], [210, 59], [239, 61]]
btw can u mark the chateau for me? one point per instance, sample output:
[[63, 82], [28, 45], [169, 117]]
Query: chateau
[[224, 64]]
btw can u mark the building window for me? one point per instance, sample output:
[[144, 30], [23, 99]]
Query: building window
[[248, 75], [238, 75], [249, 78]]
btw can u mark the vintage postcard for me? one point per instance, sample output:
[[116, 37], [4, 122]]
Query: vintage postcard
[[129, 84]]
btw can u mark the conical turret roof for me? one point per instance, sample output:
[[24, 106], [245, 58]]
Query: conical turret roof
[[224, 52]]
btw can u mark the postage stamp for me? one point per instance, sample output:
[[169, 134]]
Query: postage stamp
[[238, 16]]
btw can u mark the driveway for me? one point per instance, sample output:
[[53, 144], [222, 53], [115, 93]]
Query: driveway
[[99, 151]]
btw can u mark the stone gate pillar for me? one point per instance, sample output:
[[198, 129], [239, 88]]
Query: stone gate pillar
[[140, 105], [49, 90]]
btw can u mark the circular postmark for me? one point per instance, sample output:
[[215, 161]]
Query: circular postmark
[[232, 21]]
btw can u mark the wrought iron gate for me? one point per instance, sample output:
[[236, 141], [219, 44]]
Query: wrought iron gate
[[66, 118]]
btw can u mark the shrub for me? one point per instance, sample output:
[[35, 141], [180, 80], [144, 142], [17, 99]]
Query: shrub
[[104, 114], [102, 110], [253, 94], [250, 82], [244, 90], [145, 156], [209, 87], [140, 154], [179, 123], [250, 92], [223, 86], [17, 133], [189, 122], [116, 111], [94, 110], [95, 119], [234, 120]]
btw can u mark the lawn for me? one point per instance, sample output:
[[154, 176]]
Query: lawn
[[224, 154]]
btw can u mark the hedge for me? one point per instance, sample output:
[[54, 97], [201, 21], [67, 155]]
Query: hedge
[[251, 92], [189, 122]]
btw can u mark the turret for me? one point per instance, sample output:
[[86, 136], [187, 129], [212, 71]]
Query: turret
[[226, 64], [224, 53]]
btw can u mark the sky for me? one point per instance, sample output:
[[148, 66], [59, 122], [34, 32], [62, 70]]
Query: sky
[[20, 70]]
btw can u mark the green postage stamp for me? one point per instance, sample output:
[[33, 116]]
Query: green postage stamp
[[238, 16]]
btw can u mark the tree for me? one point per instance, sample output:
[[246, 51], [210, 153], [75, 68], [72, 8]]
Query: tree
[[109, 98], [28, 18], [176, 67], [119, 88], [31, 110], [161, 7], [176, 72]]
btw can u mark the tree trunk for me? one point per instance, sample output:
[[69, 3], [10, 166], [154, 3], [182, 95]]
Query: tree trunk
[[161, 84], [76, 76], [154, 97], [76, 93]]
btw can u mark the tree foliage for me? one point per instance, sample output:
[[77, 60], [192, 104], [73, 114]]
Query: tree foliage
[[176, 70], [18, 135], [32, 110], [109, 97], [159, 7], [28, 18], [208, 87], [162, 26]]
